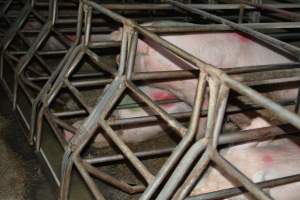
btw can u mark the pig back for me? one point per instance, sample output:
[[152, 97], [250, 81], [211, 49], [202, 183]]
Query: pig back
[[265, 162]]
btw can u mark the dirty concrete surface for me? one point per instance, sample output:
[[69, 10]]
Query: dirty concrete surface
[[21, 177]]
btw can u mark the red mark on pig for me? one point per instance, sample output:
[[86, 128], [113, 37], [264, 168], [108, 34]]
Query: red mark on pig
[[267, 159], [159, 95], [241, 38]]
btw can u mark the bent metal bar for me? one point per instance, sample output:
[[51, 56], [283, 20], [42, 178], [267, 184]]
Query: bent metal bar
[[218, 83]]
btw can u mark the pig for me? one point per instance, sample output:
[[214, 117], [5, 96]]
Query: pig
[[221, 49], [133, 135], [265, 161]]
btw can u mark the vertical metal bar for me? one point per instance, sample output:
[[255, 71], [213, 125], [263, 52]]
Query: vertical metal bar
[[42, 96], [193, 177], [87, 23], [123, 53], [53, 11], [222, 102], [132, 54], [186, 162], [241, 13], [65, 180], [255, 15], [79, 23], [184, 143]]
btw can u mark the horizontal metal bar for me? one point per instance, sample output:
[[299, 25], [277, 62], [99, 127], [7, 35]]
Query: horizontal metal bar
[[198, 6], [227, 193], [120, 157], [222, 27], [151, 6], [292, 50], [40, 53]]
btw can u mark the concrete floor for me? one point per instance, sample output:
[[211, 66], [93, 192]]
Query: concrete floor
[[21, 177]]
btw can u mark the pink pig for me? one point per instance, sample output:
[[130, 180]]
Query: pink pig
[[224, 50], [259, 161], [267, 160]]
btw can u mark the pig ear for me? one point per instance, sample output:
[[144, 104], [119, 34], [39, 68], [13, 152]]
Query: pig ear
[[142, 47]]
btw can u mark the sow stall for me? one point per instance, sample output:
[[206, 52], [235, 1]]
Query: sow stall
[[85, 83]]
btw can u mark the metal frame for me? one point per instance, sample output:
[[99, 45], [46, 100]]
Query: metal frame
[[21, 82], [218, 83], [6, 8]]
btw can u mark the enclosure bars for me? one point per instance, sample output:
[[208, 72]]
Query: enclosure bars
[[283, 13], [24, 63], [8, 37], [150, 190], [259, 99], [48, 85], [277, 44], [3, 17]]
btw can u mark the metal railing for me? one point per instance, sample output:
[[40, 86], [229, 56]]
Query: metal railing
[[189, 153]]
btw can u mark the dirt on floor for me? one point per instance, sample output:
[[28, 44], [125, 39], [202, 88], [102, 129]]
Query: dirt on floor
[[21, 177]]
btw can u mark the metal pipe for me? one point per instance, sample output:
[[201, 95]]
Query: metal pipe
[[230, 192], [292, 50]]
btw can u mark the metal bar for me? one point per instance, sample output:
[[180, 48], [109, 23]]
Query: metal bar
[[286, 14], [127, 152], [194, 28], [122, 185], [292, 50], [221, 105], [183, 145], [198, 6], [162, 6], [92, 186], [113, 92], [227, 193], [236, 174], [181, 130], [120, 157]]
